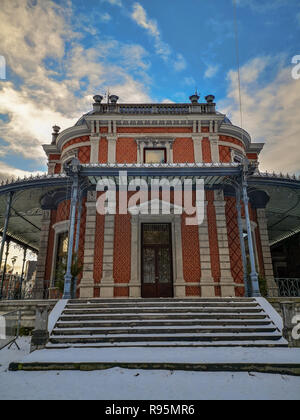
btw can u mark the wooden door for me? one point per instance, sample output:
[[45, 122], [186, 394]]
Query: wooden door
[[157, 275]]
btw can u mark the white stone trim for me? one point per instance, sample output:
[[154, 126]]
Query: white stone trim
[[74, 146], [108, 258], [232, 146], [224, 256], [59, 228], [137, 220], [214, 147], [87, 282], [197, 142], [111, 153], [95, 140], [206, 282], [154, 142], [266, 252]]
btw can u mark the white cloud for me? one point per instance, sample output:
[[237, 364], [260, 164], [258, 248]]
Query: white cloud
[[9, 172], [211, 71], [180, 63], [105, 18], [189, 81], [44, 97], [262, 6], [114, 2], [270, 112], [139, 15]]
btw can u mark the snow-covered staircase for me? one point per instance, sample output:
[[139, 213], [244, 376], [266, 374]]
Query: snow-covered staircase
[[99, 323]]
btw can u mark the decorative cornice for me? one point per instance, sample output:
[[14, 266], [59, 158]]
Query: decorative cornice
[[236, 132], [155, 139]]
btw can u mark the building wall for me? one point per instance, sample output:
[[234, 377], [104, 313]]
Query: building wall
[[194, 257]]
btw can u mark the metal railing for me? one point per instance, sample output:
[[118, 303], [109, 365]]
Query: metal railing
[[159, 109], [288, 287], [15, 288], [10, 324]]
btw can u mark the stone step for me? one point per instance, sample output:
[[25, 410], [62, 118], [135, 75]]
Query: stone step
[[215, 337], [164, 322], [158, 300], [162, 310], [162, 305], [139, 323], [151, 317], [162, 330], [175, 344], [257, 367]]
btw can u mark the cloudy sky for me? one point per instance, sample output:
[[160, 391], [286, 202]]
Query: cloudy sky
[[60, 53]]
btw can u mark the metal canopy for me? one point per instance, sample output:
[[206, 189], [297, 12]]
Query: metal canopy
[[162, 170], [26, 213], [283, 209]]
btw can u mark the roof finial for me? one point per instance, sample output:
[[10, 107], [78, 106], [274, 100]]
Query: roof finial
[[55, 133]]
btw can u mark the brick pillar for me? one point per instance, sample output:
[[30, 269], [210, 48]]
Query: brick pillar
[[87, 282], [107, 281], [267, 259], [42, 256], [226, 280], [207, 290]]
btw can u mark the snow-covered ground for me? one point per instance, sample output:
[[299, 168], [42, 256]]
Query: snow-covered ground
[[117, 383]]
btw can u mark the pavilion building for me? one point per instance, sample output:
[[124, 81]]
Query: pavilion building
[[135, 253]]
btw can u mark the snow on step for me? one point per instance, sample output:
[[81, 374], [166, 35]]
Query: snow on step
[[169, 323]]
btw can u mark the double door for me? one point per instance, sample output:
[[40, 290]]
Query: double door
[[157, 275]]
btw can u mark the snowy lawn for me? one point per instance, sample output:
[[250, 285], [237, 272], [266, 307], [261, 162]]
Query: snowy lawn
[[117, 383]]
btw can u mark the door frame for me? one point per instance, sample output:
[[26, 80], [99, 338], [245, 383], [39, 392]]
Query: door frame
[[136, 264], [170, 246]]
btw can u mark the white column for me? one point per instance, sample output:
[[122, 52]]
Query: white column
[[197, 141], [42, 256], [214, 145], [87, 282], [51, 168], [206, 282], [94, 140], [171, 153], [107, 281], [179, 286], [267, 258], [112, 141], [227, 282], [135, 283]]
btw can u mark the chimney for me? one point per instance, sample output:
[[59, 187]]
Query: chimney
[[55, 134], [113, 99], [194, 98], [210, 99], [97, 103]]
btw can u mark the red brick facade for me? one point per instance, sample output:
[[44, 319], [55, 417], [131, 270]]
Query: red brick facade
[[182, 149]]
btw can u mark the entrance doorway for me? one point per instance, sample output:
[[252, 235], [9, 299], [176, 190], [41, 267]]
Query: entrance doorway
[[157, 273]]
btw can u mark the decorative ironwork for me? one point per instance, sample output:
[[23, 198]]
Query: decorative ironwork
[[288, 287]]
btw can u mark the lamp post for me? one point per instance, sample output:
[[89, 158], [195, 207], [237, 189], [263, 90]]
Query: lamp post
[[7, 216], [23, 270], [73, 171], [253, 275]]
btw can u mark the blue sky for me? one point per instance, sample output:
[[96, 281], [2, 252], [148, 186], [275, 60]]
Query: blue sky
[[60, 53]]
